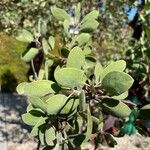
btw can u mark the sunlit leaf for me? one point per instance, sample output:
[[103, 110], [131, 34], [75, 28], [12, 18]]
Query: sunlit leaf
[[76, 58], [59, 14], [29, 55], [55, 103], [70, 77], [25, 36]]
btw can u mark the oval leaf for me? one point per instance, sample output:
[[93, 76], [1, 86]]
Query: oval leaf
[[70, 77], [37, 103], [28, 56], [116, 83], [76, 58], [55, 103], [38, 88], [25, 36], [92, 15], [119, 65], [59, 14], [50, 136], [89, 26], [82, 38], [30, 119]]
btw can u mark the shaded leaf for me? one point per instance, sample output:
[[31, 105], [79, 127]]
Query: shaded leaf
[[145, 112], [116, 83], [116, 107]]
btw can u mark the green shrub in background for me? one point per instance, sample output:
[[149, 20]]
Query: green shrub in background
[[67, 110], [10, 50]]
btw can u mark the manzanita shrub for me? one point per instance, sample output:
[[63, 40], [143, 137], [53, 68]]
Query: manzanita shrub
[[72, 92]]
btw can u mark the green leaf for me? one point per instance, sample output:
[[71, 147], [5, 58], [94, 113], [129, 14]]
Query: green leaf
[[66, 27], [76, 58], [87, 50], [119, 65], [37, 88], [45, 46], [30, 119], [89, 26], [20, 87], [82, 38], [92, 15], [98, 72], [89, 127], [41, 137], [35, 129], [116, 83], [70, 106], [121, 97], [25, 36], [55, 103], [42, 27], [37, 103], [59, 14], [51, 41], [116, 107], [77, 12], [82, 98], [147, 30], [29, 55], [50, 136], [70, 77], [48, 64]]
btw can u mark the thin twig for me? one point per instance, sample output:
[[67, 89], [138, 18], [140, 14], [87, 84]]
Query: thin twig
[[33, 68]]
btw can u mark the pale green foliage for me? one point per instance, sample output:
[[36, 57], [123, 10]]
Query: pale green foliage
[[76, 58], [55, 103], [117, 82], [37, 88], [25, 36], [28, 56], [80, 86], [117, 107], [59, 14], [70, 77]]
